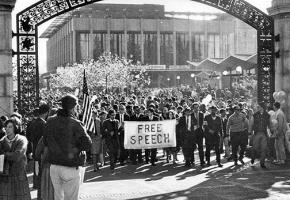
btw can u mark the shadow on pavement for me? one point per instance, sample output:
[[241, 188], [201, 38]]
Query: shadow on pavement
[[230, 182]]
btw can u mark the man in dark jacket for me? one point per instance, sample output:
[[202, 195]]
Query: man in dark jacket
[[66, 139], [213, 130], [110, 133], [34, 132], [122, 116], [187, 124], [260, 138], [151, 152], [199, 135]]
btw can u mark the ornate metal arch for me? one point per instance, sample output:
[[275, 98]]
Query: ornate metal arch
[[27, 43]]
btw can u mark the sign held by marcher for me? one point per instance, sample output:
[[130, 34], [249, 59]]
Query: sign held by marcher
[[150, 134]]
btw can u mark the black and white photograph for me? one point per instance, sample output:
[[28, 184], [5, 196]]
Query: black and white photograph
[[144, 99]]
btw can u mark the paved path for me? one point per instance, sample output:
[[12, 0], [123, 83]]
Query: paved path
[[167, 181]]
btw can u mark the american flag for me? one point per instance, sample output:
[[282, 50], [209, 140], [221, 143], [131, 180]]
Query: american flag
[[88, 121]]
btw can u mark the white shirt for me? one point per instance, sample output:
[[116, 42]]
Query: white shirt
[[188, 122]]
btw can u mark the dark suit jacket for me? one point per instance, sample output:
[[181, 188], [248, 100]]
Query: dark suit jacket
[[155, 118], [109, 126], [216, 126], [121, 127], [126, 118], [199, 131], [135, 118], [188, 136], [224, 127]]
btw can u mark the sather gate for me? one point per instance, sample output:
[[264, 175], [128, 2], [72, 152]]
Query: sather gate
[[29, 19]]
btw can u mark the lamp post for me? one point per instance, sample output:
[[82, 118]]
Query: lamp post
[[178, 78], [168, 80], [229, 73], [193, 79]]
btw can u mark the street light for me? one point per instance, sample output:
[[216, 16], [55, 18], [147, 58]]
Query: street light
[[168, 79], [193, 78], [239, 69], [178, 78]]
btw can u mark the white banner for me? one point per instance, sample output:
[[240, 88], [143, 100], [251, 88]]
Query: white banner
[[150, 134], [1, 163]]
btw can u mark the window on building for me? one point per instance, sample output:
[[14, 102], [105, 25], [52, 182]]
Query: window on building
[[83, 46], [182, 48], [166, 49], [134, 47], [116, 44], [214, 46], [197, 47], [150, 48], [99, 44]]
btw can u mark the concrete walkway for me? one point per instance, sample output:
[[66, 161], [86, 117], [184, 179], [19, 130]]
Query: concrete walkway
[[168, 181]]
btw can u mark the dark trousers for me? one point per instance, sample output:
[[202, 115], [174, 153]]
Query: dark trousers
[[239, 139], [271, 146], [152, 154], [123, 154], [123, 151], [187, 153], [210, 146], [136, 154], [199, 142], [113, 149]]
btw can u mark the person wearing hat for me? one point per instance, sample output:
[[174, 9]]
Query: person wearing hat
[[67, 141], [34, 131], [213, 131], [260, 137], [236, 125]]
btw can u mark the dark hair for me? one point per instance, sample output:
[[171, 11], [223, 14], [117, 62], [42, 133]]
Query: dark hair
[[111, 112], [222, 110], [44, 108], [277, 105], [4, 118], [151, 110], [15, 125]]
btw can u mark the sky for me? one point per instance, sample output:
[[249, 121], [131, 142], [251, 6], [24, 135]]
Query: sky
[[170, 5]]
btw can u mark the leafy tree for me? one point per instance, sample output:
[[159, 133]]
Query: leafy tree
[[109, 71]]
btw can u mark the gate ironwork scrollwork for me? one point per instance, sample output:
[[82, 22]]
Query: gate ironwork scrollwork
[[29, 19]]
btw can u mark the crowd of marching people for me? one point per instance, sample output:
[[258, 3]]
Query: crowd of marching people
[[57, 142]]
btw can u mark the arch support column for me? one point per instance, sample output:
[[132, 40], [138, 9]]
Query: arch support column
[[6, 78], [280, 11]]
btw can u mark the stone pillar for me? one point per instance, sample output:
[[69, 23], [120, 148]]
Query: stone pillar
[[142, 40], [6, 79], [108, 36], [125, 41], [158, 40], [174, 42], [91, 38], [280, 10], [189, 38]]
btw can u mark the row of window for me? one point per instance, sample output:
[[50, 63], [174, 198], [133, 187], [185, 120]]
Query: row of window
[[214, 47]]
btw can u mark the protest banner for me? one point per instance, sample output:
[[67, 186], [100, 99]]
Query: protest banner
[[150, 134], [2, 163]]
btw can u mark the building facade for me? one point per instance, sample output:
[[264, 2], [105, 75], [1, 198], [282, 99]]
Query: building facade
[[146, 34]]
